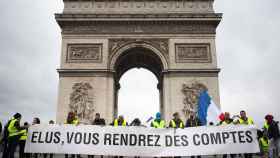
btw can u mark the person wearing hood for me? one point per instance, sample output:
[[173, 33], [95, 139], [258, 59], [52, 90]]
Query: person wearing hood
[[158, 122]]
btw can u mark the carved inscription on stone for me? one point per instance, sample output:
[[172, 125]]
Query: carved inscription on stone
[[84, 53], [191, 94], [192, 53], [81, 101]]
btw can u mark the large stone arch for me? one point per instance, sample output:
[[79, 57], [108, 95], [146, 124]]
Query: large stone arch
[[100, 37]]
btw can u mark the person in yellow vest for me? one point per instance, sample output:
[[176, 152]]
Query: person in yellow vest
[[120, 121], [245, 120], [176, 122], [158, 122], [22, 141], [227, 120], [73, 120], [14, 133], [264, 143]]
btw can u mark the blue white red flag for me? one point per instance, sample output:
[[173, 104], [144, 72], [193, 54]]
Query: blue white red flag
[[208, 111]]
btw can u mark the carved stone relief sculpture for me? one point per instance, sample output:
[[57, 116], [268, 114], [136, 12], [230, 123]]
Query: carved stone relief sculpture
[[191, 95], [84, 53], [193, 53], [81, 101]]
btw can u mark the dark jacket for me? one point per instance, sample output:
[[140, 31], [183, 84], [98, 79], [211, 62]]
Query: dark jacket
[[100, 121], [193, 122], [273, 130]]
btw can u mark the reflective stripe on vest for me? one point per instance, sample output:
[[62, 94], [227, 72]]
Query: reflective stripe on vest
[[248, 122], [116, 122], [13, 131], [264, 144], [173, 124], [24, 134], [159, 125]]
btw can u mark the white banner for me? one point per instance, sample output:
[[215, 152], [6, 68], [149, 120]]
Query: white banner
[[141, 141]]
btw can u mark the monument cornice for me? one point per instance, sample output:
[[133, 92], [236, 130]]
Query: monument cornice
[[84, 72], [138, 23], [140, 17], [193, 72]]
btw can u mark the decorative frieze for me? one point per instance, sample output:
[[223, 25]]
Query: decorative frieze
[[192, 53], [84, 53]]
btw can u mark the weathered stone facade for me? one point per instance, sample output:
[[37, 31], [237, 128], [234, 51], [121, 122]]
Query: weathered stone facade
[[102, 39]]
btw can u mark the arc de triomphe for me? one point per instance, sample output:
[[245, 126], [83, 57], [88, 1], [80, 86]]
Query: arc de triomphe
[[102, 39]]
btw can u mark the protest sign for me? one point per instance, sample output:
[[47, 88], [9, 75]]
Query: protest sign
[[142, 141]]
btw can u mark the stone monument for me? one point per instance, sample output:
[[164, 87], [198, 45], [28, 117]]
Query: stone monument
[[102, 39]]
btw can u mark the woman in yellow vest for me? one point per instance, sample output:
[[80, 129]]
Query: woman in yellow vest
[[22, 141]]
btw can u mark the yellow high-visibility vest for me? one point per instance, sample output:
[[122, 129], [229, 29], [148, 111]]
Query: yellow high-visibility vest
[[225, 123], [264, 144], [116, 122], [161, 124], [74, 122], [248, 122], [24, 134], [173, 124], [266, 125], [13, 131]]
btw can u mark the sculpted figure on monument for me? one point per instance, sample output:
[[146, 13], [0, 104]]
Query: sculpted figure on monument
[[81, 102], [191, 93]]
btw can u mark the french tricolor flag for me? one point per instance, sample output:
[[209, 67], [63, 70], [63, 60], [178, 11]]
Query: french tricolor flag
[[207, 109]]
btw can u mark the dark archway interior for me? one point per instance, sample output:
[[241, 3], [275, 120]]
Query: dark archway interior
[[138, 57]]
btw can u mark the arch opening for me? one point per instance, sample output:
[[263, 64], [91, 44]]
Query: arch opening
[[138, 57]]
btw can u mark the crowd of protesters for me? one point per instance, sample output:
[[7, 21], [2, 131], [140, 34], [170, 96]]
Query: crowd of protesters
[[14, 135]]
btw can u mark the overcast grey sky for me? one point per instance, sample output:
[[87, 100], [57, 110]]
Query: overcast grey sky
[[248, 50]]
